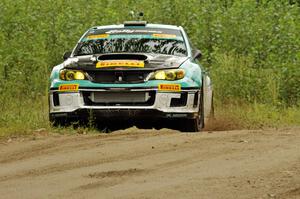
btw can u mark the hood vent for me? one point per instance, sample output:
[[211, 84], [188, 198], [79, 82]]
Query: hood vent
[[122, 57]]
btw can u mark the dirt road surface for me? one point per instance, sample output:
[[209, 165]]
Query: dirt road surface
[[153, 164]]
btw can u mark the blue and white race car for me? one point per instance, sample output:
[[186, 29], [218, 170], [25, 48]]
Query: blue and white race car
[[135, 71]]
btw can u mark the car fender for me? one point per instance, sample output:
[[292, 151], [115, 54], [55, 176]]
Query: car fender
[[207, 92]]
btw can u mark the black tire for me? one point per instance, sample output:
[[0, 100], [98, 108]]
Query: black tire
[[55, 122], [196, 124], [65, 122], [144, 126], [58, 122]]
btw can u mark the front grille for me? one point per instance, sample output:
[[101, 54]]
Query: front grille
[[112, 98], [118, 76]]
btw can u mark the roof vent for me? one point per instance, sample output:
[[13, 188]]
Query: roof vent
[[135, 23]]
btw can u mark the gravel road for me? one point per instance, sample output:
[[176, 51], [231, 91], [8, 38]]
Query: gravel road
[[136, 163]]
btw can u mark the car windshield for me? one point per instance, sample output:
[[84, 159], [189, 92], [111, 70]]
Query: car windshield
[[160, 41]]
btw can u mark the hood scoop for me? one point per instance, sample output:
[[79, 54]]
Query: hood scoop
[[122, 57]]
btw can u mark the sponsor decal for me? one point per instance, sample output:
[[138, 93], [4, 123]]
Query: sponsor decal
[[68, 87], [131, 31], [164, 36], [101, 36], [118, 63], [169, 87]]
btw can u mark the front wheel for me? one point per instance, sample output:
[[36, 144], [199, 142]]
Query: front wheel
[[58, 122]]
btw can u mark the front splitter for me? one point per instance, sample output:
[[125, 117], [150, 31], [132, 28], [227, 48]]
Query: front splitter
[[121, 114]]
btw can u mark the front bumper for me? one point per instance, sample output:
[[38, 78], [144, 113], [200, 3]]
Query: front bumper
[[183, 104]]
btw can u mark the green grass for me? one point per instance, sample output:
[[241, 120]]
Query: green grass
[[253, 116], [23, 116]]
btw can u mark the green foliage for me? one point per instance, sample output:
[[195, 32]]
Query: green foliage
[[250, 47], [253, 116], [237, 79]]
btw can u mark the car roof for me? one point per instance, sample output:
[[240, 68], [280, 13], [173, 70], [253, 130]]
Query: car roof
[[146, 26]]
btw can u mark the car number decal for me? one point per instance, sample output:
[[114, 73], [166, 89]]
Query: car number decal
[[68, 87], [118, 63], [169, 87]]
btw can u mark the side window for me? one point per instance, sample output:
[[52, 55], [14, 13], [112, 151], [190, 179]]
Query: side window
[[194, 51], [192, 47]]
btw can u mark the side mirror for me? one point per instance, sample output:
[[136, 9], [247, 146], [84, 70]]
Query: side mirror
[[197, 54], [67, 55]]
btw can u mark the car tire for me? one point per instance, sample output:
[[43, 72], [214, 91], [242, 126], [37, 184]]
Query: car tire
[[196, 124], [58, 122]]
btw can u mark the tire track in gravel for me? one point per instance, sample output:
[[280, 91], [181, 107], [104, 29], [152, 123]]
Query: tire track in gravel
[[61, 167], [111, 181], [154, 165], [67, 144]]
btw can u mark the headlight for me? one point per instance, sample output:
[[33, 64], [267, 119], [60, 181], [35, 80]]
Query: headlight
[[68, 75], [173, 74]]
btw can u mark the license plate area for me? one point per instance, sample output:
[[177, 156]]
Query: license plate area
[[119, 97]]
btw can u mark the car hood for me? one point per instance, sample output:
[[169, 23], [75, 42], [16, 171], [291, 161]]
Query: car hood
[[151, 61]]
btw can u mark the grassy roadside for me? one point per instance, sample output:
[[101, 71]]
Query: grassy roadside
[[253, 116]]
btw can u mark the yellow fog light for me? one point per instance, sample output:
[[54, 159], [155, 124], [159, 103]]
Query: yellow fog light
[[160, 75], [180, 74], [62, 74], [170, 75], [70, 75], [79, 75]]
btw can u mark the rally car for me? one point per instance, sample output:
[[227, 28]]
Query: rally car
[[131, 71]]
